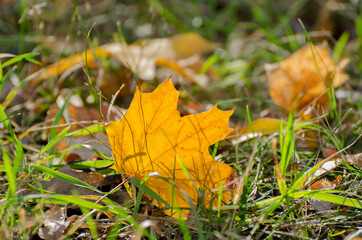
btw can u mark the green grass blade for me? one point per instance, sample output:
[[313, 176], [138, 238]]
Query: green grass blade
[[25, 56], [10, 174], [66, 200], [19, 156], [328, 197], [219, 200], [137, 183], [249, 119], [185, 233], [92, 164], [339, 47], [90, 222], [288, 145], [214, 152], [58, 116], [169, 17], [54, 141], [355, 171], [86, 131], [358, 23], [97, 152], [1, 75], [300, 181], [209, 62], [5, 77], [266, 202], [139, 195]]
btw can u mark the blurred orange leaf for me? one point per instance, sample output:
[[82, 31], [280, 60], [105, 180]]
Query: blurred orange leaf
[[180, 53], [68, 62], [305, 77], [324, 184], [152, 137]]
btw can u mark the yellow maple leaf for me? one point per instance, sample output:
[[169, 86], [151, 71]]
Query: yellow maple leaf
[[152, 137]]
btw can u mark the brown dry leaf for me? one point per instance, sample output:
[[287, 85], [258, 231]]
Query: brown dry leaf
[[58, 186], [85, 116], [353, 159], [331, 162], [348, 158], [71, 158], [152, 139], [324, 184], [54, 223], [305, 76]]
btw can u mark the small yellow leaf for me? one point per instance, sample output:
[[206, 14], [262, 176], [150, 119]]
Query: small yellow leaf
[[265, 126]]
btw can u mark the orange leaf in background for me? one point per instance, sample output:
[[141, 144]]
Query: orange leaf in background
[[172, 65], [180, 53], [306, 75], [68, 62], [153, 138]]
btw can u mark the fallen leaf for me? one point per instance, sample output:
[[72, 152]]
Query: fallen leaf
[[152, 139], [348, 158], [332, 161], [326, 152], [71, 157], [305, 77], [180, 53], [69, 62], [327, 165], [61, 187], [81, 116], [264, 126], [187, 45], [324, 184], [54, 223], [353, 159]]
